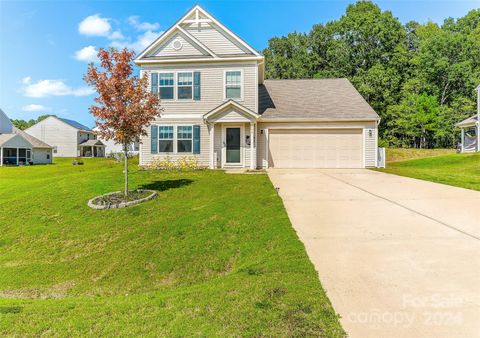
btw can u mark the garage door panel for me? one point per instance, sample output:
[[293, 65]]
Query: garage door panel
[[315, 148]]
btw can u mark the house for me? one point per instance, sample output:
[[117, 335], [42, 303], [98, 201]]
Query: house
[[470, 130], [18, 148], [67, 137], [111, 147], [218, 107]]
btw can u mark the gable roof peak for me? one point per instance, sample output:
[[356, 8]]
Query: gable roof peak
[[197, 16]]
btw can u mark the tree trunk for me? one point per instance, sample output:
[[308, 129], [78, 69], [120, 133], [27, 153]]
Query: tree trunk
[[125, 153]]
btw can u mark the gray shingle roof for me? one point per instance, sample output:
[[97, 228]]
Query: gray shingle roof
[[319, 99], [36, 143], [75, 124], [92, 143], [5, 137]]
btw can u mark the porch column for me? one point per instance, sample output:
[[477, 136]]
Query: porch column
[[212, 146], [252, 138], [1, 156], [17, 156], [92, 151], [478, 135], [462, 139]]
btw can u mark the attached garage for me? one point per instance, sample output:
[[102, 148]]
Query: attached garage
[[315, 148], [317, 123]]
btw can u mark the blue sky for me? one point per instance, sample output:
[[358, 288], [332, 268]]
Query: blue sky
[[45, 45]]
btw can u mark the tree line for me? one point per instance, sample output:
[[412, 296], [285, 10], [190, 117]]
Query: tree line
[[24, 124], [420, 78]]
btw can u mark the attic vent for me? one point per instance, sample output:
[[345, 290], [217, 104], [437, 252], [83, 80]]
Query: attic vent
[[177, 44]]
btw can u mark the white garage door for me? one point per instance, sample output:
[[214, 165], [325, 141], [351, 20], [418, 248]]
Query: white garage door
[[315, 148]]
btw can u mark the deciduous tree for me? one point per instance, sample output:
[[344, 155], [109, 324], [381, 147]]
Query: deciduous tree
[[124, 105]]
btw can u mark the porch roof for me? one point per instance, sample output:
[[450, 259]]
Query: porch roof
[[92, 143], [470, 122], [229, 106]]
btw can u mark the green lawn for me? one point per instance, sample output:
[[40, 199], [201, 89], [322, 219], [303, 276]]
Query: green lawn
[[461, 170], [213, 255]]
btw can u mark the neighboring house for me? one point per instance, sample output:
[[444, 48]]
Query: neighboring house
[[470, 130], [19, 148], [112, 148], [218, 107], [67, 137]]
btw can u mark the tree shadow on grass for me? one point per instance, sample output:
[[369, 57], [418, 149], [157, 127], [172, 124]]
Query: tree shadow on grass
[[10, 309], [167, 184]]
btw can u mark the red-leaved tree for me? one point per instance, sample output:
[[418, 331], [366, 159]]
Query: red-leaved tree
[[124, 105]]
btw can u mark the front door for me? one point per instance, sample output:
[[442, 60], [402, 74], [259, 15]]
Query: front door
[[233, 146]]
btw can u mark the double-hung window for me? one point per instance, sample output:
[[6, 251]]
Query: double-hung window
[[184, 139], [185, 85], [165, 139], [233, 84], [166, 86]]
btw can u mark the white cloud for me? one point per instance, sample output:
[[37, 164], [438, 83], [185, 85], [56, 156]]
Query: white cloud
[[141, 42], [95, 25], [44, 88], [35, 107], [142, 26], [117, 35], [87, 54]]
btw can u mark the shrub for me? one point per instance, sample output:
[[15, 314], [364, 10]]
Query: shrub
[[167, 163]]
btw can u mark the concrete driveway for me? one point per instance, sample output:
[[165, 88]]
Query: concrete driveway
[[398, 257]]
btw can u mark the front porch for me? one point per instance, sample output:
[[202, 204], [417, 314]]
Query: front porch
[[232, 129], [470, 135], [92, 148]]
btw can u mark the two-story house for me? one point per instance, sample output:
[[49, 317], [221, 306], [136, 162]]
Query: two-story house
[[67, 137], [218, 107]]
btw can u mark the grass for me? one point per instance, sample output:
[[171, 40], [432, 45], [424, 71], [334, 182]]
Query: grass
[[460, 170], [402, 154], [212, 255]]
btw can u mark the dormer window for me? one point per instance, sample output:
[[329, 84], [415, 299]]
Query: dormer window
[[233, 84], [185, 86]]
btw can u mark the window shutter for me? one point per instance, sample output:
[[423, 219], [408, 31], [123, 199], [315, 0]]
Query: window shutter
[[154, 83], [154, 139], [196, 139], [196, 86]]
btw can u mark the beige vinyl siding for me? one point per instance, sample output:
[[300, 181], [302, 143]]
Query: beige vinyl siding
[[57, 134], [166, 49], [370, 145], [246, 147], [215, 40], [212, 86], [146, 155], [39, 156], [6, 125]]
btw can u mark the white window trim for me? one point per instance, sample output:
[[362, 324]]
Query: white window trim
[[179, 139], [175, 139], [175, 84], [174, 87], [166, 139], [192, 86], [242, 84]]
